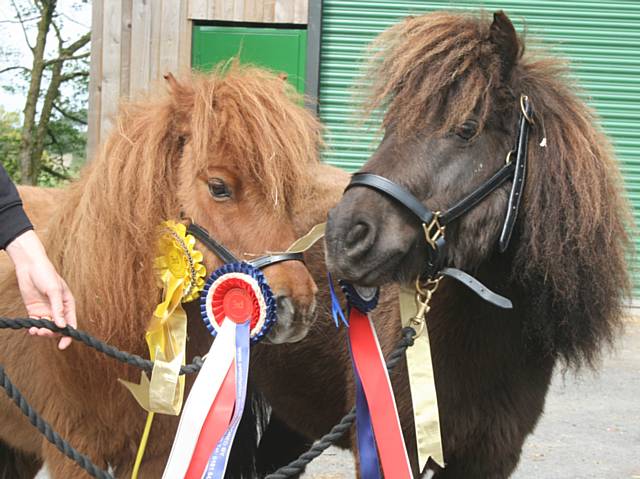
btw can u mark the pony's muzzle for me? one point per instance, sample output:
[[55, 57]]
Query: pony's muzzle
[[294, 321]]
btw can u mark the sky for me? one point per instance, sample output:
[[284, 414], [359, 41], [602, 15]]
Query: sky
[[76, 20]]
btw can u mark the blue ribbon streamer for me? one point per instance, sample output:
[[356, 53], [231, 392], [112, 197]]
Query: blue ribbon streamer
[[369, 462], [336, 309], [217, 464]]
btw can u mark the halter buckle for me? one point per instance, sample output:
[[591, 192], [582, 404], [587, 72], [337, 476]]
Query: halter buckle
[[507, 160], [433, 231], [523, 109]]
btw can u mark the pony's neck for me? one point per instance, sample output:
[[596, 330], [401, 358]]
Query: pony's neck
[[107, 264]]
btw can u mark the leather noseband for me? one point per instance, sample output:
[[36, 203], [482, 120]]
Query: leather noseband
[[228, 257]]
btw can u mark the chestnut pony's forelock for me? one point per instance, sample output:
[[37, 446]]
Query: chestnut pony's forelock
[[250, 114], [242, 118], [434, 71]]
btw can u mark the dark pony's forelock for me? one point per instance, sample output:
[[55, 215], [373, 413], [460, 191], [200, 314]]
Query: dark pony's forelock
[[418, 63], [570, 255]]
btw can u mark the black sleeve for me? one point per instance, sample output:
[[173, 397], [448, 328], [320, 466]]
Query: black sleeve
[[13, 219]]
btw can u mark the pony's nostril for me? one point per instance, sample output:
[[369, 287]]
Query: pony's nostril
[[359, 238], [357, 234], [284, 305]]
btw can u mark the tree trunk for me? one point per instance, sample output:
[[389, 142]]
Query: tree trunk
[[29, 174], [53, 91]]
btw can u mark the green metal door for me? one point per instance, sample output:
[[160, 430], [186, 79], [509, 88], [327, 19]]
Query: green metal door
[[278, 49], [601, 39]]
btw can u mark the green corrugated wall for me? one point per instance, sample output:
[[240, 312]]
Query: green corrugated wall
[[601, 39]]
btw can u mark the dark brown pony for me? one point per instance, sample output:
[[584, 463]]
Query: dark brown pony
[[231, 150], [450, 85]]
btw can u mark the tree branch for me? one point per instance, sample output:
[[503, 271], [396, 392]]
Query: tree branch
[[78, 44], [64, 58], [58, 33], [68, 115], [72, 75], [22, 22], [18, 21], [52, 172], [19, 67]]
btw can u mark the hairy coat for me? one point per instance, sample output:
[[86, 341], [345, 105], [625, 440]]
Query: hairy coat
[[242, 126], [437, 77]]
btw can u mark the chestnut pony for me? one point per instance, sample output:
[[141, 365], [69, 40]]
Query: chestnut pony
[[231, 150], [450, 85]]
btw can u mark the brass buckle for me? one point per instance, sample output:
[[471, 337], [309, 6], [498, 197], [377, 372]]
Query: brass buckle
[[434, 230], [524, 111], [507, 161]]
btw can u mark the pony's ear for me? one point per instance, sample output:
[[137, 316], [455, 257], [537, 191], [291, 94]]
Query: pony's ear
[[503, 35], [175, 88], [182, 98]]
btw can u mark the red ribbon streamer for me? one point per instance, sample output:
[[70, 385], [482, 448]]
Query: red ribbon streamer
[[215, 425], [377, 388]]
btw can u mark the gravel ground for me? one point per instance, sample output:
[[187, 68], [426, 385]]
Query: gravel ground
[[590, 429]]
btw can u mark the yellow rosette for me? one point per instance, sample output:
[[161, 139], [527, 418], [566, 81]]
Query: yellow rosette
[[180, 274]]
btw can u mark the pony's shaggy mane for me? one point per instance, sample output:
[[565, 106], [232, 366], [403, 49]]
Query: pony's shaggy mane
[[432, 72], [258, 118], [240, 117]]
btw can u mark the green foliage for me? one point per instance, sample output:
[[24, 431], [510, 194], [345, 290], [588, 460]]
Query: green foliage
[[64, 153], [10, 142], [65, 124]]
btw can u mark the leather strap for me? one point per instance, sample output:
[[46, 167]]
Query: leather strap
[[220, 250], [268, 260], [478, 288], [472, 199], [397, 192], [227, 256], [515, 197]]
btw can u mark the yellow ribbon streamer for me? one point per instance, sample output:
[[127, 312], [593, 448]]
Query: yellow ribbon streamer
[[180, 272], [422, 385], [307, 241]]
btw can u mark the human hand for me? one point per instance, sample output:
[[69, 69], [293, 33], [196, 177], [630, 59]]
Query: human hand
[[44, 292]]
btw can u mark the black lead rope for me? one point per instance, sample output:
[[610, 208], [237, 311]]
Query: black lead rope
[[132, 359], [47, 431], [43, 426], [292, 469]]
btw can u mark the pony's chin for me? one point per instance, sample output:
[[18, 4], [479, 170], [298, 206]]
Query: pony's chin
[[378, 271], [293, 322]]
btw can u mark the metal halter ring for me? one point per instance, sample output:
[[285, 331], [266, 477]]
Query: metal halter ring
[[507, 160], [431, 235], [524, 110]]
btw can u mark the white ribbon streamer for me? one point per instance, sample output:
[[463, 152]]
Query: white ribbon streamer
[[203, 393]]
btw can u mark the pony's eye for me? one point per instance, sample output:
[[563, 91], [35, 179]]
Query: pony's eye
[[467, 130], [219, 189]]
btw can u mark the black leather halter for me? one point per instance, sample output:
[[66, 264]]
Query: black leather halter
[[227, 256], [434, 222]]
